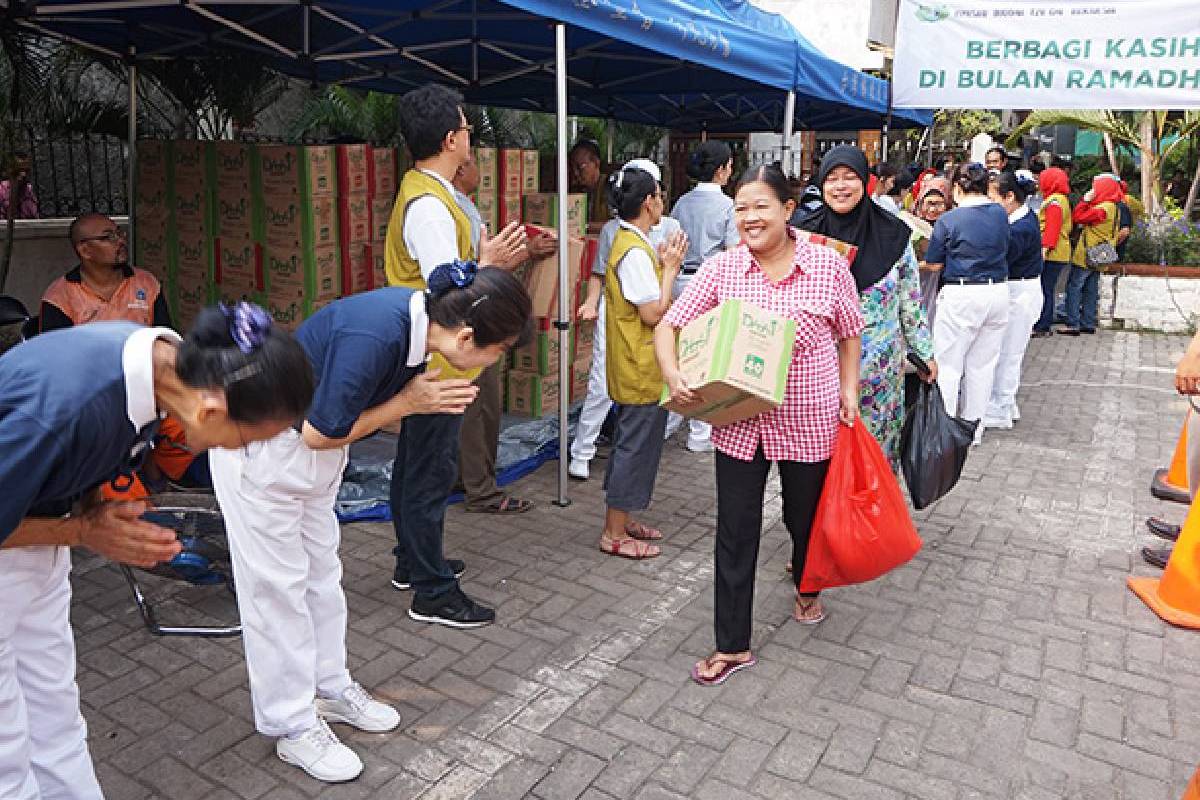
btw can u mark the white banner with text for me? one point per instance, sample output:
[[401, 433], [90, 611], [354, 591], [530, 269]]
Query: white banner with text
[[1094, 54]]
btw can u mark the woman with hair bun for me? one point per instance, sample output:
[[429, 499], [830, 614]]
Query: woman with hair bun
[[637, 293], [706, 215], [79, 409], [368, 353], [1024, 294], [969, 246]]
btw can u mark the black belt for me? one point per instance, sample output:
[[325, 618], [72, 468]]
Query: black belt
[[687, 271], [973, 281]]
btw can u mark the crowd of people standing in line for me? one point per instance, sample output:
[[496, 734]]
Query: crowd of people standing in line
[[953, 281]]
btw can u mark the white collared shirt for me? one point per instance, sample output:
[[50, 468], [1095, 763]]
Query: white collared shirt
[[1016, 215], [137, 362], [639, 284], [418, 331], [429, 230]]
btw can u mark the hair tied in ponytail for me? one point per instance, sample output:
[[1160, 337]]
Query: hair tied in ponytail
[[458, 274], [249, 325]]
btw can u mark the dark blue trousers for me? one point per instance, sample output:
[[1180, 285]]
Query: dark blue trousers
[[423, 475]]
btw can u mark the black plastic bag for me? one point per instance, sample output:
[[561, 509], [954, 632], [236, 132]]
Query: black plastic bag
[[933, 446]]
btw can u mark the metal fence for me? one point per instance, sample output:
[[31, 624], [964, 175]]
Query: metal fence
[[73, 174]]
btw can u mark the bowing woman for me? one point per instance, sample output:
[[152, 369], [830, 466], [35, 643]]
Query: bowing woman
[[887, 276], [79, 409], [368, 353]]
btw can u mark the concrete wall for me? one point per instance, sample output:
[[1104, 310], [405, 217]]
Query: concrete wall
[[41, 253], [1157, 304]]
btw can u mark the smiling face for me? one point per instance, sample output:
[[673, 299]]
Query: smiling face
[[761, 217], [994, 160], [843, 190]]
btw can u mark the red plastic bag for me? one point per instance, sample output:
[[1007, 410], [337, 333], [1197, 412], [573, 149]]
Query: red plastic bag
[[862, 528]]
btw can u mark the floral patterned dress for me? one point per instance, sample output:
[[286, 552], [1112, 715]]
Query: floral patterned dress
[[895, 324]]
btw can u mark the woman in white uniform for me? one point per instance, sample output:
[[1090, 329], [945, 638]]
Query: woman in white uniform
[[706, 215], [79, 409], [368, 354]]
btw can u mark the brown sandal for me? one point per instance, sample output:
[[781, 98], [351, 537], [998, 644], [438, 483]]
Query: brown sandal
[[728, 666], [629, 547], [808, 611], [643, 533], [507, 504]]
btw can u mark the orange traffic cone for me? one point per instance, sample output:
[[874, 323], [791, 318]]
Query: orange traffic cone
[[1193, 788], [1176, 595], [1172, 483]]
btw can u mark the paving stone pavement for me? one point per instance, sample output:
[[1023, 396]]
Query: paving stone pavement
[[1006, 661]]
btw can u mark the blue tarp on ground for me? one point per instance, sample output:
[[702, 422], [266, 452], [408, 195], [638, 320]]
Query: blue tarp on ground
[[677, 63]]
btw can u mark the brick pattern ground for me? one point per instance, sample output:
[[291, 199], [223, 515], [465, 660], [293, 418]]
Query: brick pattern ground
[[1007, 661]]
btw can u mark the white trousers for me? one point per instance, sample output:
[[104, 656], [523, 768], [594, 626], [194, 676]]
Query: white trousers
[[597, 403], [967, 336], [1024, 307], [43, 738], [699, 431], [277, 499]]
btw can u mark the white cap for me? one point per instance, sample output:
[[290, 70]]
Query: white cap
[[646, 165], [1025, 174]]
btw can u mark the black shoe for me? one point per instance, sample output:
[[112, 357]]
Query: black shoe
[[1156, 557], [453, 609], [1087, 330], [401, 581], [1037, 334], [1068, 331], [1163, 529]]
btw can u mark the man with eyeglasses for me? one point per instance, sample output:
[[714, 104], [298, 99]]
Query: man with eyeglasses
[[103, 286]]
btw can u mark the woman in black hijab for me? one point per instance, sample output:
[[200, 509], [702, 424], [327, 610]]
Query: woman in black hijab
[[885, 270]]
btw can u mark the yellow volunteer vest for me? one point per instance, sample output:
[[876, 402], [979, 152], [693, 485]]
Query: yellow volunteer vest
[[1093, 235], [1062, 248], [402, 269], [632, 370]]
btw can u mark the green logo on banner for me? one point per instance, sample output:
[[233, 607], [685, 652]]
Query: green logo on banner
[[932, 13]]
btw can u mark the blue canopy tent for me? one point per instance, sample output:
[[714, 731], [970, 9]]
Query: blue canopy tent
[[665, 62]]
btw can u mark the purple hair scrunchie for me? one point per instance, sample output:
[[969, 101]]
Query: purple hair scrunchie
[[249, 325]]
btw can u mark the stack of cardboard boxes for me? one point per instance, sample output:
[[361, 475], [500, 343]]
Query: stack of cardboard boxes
[[192, 192], [237, 267], [301, 258], [366, 193], [155, 245]]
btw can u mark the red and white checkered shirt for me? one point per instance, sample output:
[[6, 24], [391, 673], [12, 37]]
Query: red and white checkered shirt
[[820, 295]]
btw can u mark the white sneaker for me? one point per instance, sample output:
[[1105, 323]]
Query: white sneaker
[[705, 446], [674, 423], [578, 469], [1016, 413], [356, 707], [997, 424], [319, 753]]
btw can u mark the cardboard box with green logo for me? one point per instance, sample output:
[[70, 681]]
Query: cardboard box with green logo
[[736, 358]]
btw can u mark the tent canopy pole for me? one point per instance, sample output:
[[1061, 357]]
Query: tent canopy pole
[[131, 164], [563, 323], [789, 122]]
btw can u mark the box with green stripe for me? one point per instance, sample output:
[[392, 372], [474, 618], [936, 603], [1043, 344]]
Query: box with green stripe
[[736, 359]]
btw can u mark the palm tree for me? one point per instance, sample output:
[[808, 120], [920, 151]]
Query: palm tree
[[1144, 131], [337, 111]]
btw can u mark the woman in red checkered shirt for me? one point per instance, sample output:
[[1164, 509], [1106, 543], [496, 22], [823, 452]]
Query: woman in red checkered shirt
[[811, 284]]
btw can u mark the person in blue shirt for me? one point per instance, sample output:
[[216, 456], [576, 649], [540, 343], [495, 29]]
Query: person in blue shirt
[[368, 353], [1024, 294], [78, 409], [969, 246], [706, 215]]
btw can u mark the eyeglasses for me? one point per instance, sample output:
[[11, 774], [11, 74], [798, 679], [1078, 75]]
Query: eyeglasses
[[112, 237]]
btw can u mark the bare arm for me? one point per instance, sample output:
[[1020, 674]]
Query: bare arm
[[849, 359], [668, 362], [590, 309], [671, 254], [424, 394], [113, 530]]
